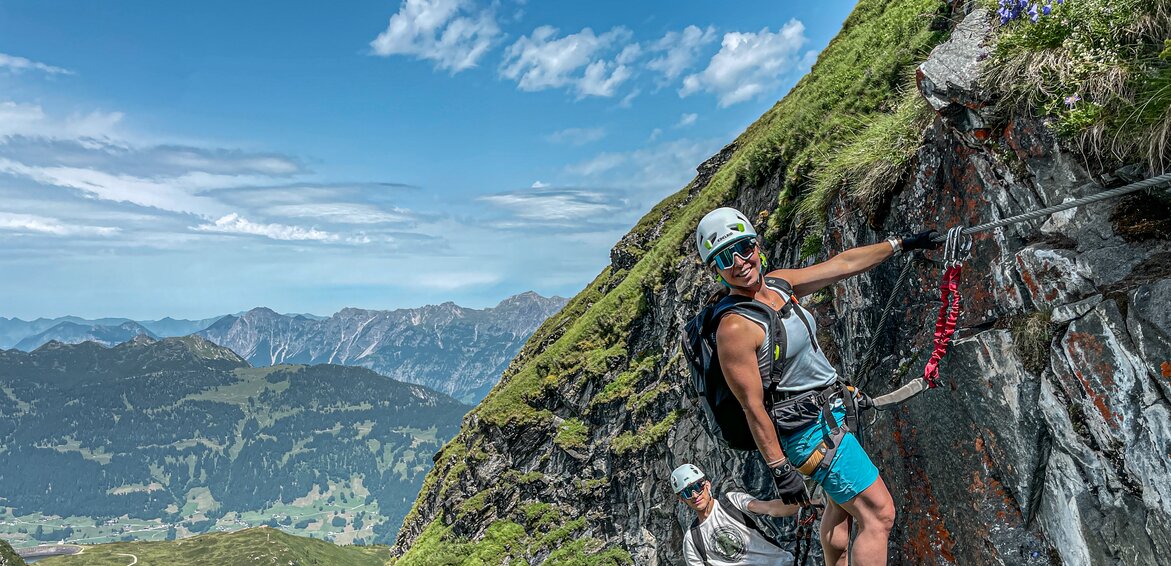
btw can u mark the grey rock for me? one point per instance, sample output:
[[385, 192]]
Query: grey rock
[[1052, 277], [949, 78], [1071, 311]]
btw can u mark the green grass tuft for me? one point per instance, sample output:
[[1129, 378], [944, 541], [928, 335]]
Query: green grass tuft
[[1099, 69], [571, 434], [630, 441], [873, 160], [1031, 337]]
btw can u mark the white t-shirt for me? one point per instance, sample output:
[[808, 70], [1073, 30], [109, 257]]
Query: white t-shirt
[[729, 542]]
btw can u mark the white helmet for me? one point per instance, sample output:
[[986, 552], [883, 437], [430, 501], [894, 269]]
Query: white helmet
[[684, 476], [719, 228]]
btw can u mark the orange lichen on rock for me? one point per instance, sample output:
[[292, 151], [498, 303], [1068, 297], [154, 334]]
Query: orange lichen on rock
[[1166, 368], [1087, 351], [927, 536]]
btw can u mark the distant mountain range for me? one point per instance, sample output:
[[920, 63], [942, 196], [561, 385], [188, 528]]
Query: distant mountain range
[[162, 438], [33, 333], [74, 333], [452, 349]]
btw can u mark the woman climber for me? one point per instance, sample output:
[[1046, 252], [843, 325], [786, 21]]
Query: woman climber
[[789, 391]]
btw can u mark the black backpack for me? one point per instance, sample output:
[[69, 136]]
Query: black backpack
[[723, 417]]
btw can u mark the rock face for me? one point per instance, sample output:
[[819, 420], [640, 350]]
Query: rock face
[[1050, 440], [446, 347]]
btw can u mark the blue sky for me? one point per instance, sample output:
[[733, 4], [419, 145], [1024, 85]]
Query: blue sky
[[193, 159]]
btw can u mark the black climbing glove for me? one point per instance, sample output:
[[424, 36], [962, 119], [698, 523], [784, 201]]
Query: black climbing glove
[[921, 241], [790, 485]]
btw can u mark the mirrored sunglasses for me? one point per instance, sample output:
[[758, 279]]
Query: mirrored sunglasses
[[727, 256], [689, 491]]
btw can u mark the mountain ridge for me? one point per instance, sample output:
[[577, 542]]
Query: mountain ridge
[[453, 349]]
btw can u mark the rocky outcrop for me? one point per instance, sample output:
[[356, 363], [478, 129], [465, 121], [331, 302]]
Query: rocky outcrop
[[1048, 442]]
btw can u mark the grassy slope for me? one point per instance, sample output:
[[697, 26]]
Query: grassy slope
[[251, 546], [8, 556], [855, 80]]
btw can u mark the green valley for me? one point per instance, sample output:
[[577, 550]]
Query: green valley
[[157, 440]]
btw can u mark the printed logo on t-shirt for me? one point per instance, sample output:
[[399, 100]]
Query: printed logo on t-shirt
[[729, 543]]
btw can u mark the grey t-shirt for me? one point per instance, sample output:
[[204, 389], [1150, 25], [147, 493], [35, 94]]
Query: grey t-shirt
[[728, 542]]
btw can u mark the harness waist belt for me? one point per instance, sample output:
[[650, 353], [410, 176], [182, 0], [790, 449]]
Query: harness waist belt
[[823, 455]]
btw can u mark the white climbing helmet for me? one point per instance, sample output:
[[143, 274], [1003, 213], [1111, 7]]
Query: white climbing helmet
[[684, 476], [718, 229]]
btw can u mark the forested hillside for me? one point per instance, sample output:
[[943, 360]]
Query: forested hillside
[[157, 439]]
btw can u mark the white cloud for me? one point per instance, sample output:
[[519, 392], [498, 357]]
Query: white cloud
[[686, 120], [19, 64], [539, 185], [449, 32], [655, 169], [225, 161], [235, 224], [52, 226], [602, 79], [577, 136], [749, 64], [598, 164], [655, 133], [542, 61], [176, 194], [629, 98], [678, 50], [342, 213], [547, 205], [18, 119]]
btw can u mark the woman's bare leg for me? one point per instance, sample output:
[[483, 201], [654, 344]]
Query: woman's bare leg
[[835, 534], [875, 512]]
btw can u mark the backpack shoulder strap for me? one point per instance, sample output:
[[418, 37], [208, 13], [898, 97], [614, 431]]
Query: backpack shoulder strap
[[714, 313], [697, 540], [770, 322], [778, 284], [742, 518]]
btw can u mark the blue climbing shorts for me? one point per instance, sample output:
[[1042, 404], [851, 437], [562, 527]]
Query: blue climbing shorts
[[851, 471]]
